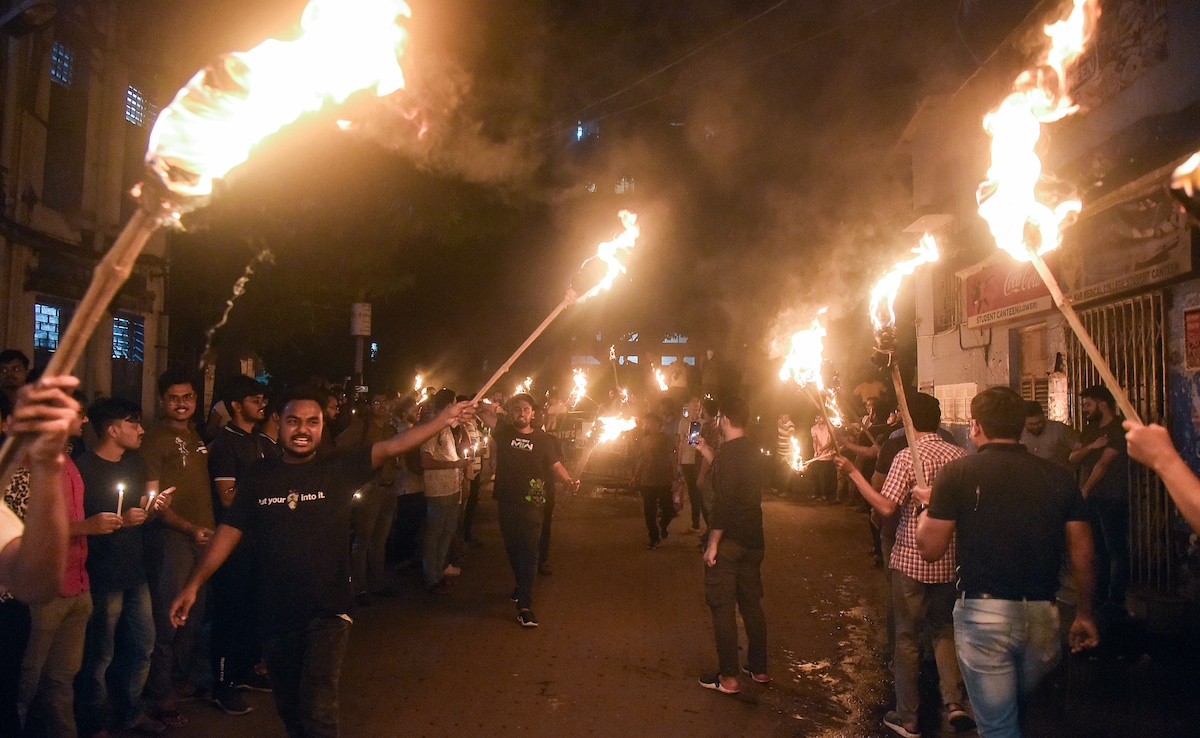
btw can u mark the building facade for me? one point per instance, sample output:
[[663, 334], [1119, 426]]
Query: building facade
[[77, 107], [1129, 264]]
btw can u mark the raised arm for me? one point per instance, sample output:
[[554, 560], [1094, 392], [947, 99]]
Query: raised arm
[[1151, 445], [882, 505], [402, 443]]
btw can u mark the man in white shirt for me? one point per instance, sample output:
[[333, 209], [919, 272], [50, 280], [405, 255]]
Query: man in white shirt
[[443, 488]]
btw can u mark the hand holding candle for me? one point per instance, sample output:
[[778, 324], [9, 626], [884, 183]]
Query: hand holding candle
[[120, 497]]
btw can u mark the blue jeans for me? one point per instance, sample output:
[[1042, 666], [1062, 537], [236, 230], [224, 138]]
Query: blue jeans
[[123, 617], [1005, 647], [441, 521]]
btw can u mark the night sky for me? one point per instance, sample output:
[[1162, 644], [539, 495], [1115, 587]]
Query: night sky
[[760, 136]]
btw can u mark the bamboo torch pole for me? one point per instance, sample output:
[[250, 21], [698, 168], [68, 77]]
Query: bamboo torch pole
[[910, 432], [566, 302], [1089, 346], [110, 273]]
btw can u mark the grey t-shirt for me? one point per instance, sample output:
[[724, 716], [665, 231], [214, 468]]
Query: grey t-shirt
[[1055, 443]]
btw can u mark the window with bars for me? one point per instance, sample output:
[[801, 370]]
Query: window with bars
[[129, 338], [947, 299], [62, 65], [46, 322], [139, 109]]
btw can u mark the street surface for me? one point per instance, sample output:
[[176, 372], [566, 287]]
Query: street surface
[[624, 635]]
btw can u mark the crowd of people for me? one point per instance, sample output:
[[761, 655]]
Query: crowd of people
[[143, 569]]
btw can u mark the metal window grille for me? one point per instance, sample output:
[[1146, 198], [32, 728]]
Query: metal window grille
[[46, 321], [139, 110], [1038, 389], [129, 339], [1130, 334], [947, 298], [62, 65]]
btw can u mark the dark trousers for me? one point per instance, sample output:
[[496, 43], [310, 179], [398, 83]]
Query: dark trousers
[[1110, 523], [659, 509], [305, 664], [410, 516], [469, 509], [15, 624], [234, 600], [735, 584], [547, 519], [521, 526], [695, 499], [824, 479], [170, 559]]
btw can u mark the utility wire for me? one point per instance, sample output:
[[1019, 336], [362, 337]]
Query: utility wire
[[807, 39]]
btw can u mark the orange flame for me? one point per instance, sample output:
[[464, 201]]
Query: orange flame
[[346, 46], [613, 427], [419, 384], [660, 379], [1187, 176], [525, 387], [579, 391], [802, 364], [1020, 222], [883, 296], [610, 252]]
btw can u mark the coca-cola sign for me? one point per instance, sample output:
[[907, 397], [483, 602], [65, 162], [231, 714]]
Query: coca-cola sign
[[1001, 289]]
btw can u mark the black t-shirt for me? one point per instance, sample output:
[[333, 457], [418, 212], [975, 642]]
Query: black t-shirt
[[1114, 485], [230, 456], [115, 562], [297, 516], [1010, 508], [737, 493], [868, 437], [523, 460]]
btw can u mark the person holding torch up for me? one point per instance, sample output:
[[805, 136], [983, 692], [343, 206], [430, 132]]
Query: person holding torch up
[[923, 592]]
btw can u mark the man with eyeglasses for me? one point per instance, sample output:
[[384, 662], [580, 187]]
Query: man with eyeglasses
[[235, 645], [175, 456]]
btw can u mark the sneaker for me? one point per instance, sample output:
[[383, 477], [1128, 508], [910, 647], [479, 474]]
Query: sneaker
[[254, 682], [897, 724], [527, 619], [451, 571], [231, 702], [663, 534], [652, 545], [714, 682], [959, 719], [760, 678], [515, 596]]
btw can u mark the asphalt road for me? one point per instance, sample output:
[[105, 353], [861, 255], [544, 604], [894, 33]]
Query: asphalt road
[[624, 635]]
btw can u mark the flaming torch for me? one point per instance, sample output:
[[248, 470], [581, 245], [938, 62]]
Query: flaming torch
[[802, 365], [661, 379], [1185, 184], [346, 46], [525, 387], [1023, 220], [579, 391], [883, 316], [608, 258], [797, 458]]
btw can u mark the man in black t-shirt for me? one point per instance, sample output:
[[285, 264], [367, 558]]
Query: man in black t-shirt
[[113, 476], [527, 461], [734, 552], [1104, 470], [296, 511], [1014, 514]]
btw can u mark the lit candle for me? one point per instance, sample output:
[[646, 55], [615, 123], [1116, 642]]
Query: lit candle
[[120, 497]]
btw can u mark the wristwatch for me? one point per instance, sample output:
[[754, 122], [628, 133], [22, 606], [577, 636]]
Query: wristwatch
[[921, 507]]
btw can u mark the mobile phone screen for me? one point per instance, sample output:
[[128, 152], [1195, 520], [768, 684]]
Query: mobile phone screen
[[694, 433]]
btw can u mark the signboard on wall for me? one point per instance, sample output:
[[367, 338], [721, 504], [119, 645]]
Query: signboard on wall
[[1000, 289], [1191, 339], [1129, 246]]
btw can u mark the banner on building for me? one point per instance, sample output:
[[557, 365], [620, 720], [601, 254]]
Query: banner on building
[[999, 289], [1129, 246]]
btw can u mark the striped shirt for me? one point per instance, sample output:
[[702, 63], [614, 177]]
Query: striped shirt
[[935, 454]]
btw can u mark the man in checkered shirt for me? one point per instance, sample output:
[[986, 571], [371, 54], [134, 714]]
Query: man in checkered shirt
[[923, 593]]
